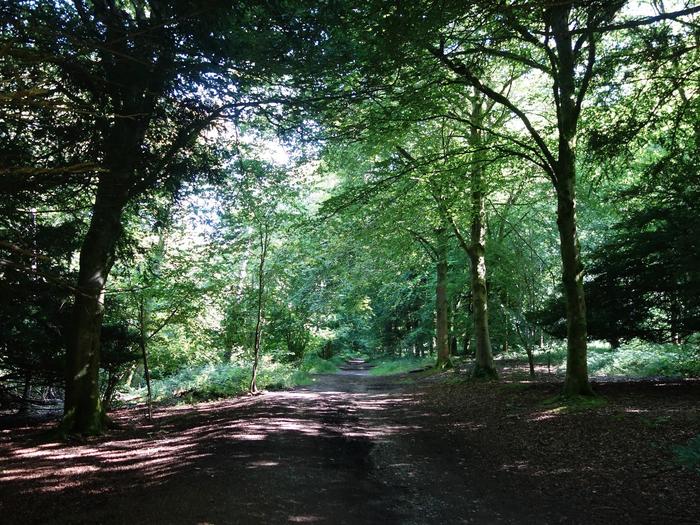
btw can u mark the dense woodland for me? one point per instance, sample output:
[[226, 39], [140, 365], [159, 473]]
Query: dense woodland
[[203, 199]]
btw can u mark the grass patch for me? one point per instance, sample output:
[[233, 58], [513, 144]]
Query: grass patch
[[387, 367], [448, 377], [571, 404]]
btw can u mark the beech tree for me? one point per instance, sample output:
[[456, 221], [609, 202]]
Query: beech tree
[[148, 78], [560, 42]]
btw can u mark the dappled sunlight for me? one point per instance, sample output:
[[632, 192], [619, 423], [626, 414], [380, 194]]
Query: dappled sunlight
[[469, 425], [336, 442], [515, 466], [305, 519], [545, 415], [258, 464], [181, 440]]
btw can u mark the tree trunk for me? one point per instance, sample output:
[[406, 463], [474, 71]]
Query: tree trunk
[[112, 382], [24, 402], [484, 356], [505, 326], [264, 241], [82, 410], [576, 382], [454, 351], [143, 343], [477, 256], [530, 359], [441, 305], [466, 345], [676, 316]]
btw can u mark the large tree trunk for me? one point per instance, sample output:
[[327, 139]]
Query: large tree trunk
[[82, 410], [441, 305], [484, 355], [477, 255], [576, 382]]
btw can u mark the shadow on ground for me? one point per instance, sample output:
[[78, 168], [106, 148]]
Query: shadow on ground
[[357, 449]]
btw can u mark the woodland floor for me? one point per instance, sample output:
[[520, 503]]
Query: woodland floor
[[358, 449]]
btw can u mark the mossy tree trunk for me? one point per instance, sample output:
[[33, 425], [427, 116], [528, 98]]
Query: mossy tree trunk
[[477, 249]]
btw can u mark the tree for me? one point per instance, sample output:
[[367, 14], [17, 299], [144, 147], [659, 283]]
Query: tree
[[559, 41], [264, 240], [147, 79], [644, 276]]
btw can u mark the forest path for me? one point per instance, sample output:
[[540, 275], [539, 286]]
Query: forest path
[[356, 449], [351, 448]]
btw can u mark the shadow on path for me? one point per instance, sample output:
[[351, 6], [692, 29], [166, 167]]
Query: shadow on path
[[334, 452]]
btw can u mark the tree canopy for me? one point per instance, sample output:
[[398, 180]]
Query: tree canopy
[[268, 184]]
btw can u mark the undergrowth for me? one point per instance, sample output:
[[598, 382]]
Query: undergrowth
[[385, 367], [633, 359], [313, 364], [215, 381], [689, 455], [640, 359]]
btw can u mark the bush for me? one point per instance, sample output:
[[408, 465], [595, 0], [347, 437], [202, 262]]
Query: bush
[[634, 359], [313, 364], [642, 359], [216, 381], [689, 455]]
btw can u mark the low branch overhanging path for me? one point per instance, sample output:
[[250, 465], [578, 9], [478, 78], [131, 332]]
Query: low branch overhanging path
[[351, 448]]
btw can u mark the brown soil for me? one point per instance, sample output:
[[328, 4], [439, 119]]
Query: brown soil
[[358, 449]]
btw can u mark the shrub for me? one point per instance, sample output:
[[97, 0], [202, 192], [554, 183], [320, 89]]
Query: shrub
[[634, 359], [215, 381], [313, 364], [642, 359], [689, 455]]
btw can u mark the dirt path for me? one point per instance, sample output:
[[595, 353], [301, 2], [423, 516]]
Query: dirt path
[[351, 449]]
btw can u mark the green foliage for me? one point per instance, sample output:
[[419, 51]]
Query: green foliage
[[645, 281], [689, 455], [215, 381], [641, 359], [633, 359], [386, 367], [313, 364], [351, 268]]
